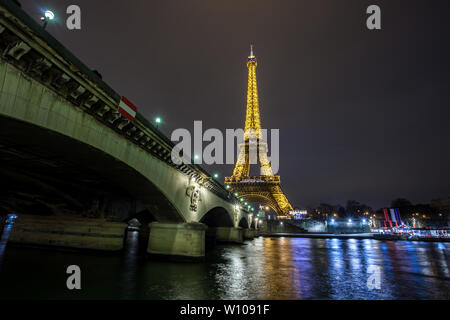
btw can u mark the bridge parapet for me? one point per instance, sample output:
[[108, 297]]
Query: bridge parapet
[[25, 44]]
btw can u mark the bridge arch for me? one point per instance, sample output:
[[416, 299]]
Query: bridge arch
[[72, 177], [243, 223], [217, 217], [257, 198]]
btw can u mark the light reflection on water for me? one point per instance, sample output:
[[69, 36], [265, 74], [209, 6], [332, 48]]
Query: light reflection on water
[[4, 240], [265, 268]]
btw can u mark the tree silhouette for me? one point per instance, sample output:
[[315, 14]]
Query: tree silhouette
[[400, 203]]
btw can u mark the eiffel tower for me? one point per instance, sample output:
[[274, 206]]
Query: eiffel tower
[[266, 188]]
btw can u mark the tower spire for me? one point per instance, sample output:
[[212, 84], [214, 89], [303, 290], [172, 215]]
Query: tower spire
[[252, 119]]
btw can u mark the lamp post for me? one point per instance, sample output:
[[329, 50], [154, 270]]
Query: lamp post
[[48, 16], [158, 121]]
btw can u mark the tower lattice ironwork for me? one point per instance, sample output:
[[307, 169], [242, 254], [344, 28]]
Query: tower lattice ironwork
[[265, 188]]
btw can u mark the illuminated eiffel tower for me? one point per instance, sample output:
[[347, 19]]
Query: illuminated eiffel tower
[[266, 188]]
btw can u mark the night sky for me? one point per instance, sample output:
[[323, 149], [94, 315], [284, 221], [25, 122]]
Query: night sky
[[363, 115]]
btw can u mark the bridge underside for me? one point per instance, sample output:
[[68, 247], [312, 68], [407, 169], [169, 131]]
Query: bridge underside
[[46, 173]]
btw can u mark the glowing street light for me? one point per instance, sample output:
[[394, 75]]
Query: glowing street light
[[216, 175], [48, 16], [158, 121]]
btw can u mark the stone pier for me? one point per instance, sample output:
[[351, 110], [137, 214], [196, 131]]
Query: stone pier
[[230, 234], [95, 234], [249, 233], [177, 240]]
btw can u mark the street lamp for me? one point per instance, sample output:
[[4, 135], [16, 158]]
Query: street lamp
[[48, 16], [216, 175], [158, 121]]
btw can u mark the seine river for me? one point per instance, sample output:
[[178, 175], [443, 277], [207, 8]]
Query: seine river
[[264, 268]]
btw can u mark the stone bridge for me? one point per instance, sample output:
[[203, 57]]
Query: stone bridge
[[75, 171]]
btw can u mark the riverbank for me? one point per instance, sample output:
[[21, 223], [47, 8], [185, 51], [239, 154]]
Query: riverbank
[[375, 236], [321, 235]]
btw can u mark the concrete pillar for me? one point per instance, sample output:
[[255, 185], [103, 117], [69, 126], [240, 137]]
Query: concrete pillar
[[80, 233], [249, 234], [230, 234], [178, 240]]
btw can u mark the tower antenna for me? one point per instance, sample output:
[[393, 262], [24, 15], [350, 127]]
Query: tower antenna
[[251, 51]]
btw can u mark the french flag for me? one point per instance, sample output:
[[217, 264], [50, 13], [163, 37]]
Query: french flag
[[127, 109]]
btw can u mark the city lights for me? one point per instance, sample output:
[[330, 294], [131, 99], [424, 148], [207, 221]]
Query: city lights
[[95, 194]]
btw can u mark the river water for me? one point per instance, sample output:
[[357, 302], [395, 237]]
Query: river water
[[264, 268]]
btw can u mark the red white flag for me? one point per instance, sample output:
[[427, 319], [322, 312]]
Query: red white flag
[[127, 109]]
